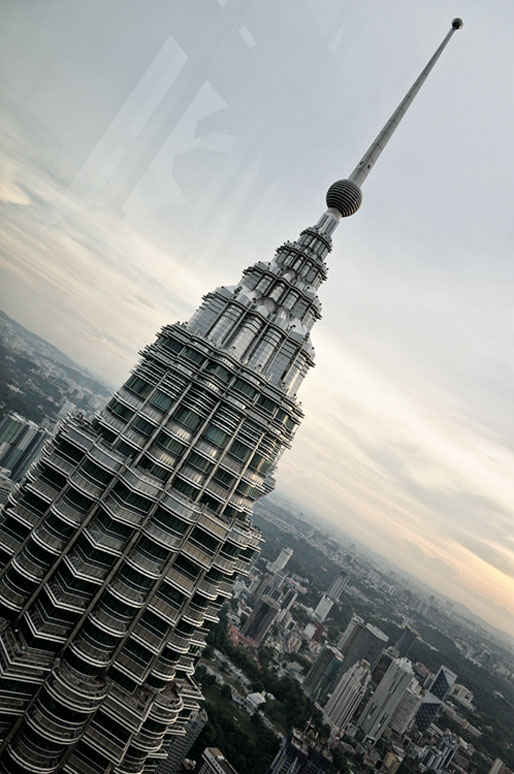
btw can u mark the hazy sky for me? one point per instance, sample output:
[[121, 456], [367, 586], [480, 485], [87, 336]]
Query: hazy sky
[[152, 150]]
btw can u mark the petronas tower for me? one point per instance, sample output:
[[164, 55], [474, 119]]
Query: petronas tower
[[123, 541]]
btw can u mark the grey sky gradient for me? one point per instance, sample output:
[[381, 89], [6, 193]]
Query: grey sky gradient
[[150, 151]]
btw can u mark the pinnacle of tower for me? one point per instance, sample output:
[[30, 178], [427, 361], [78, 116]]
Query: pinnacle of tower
[[344, 197]]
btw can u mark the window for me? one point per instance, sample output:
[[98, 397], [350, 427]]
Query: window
[[266, 404], [239, 451], [188, 418], [204, 539], [169, 343], [138, 386], [153, 550], [130, 498], [95, 473], [215, 435], [226, 480], [182, 486], [106, 434], [260, 464], [66, 449], [245, 388], [199, 462], [155, 470], [143, 427], [161, 401], [169, 522], [210, 502], [110, 526], [126, 449], [78, 500], [53, 477], [219, 371], [119, 410], [189, 568], [247, 490], [164, 441], [193, 355]]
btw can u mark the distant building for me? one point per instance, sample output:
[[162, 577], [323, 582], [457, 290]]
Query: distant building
[[20, 443], [323, 608], [406, 640], [435, 697], [497, 767], [260, 621], [462, 695], [281, 560], [338, 585], [364, 642], [214, 762], [439, 756], [403, 716], [273, 598], [380, 708], [181, 745], [393, 759], [323, 675], [299, 756], [351, 631], [347, 696]]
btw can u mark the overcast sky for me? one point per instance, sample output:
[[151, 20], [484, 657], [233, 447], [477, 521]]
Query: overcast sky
[[152, 150]]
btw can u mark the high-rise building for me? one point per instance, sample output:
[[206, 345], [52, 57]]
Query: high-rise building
[[273, 598], [351, 631], [323, 608], [433, 700], [20, 443], [282, 559], [406, 640], [322, 677], [364, 642], [214, 762], [298, 755], [181, 745], [381, 706], [403, 716], [338, 585], [125, 537], [346, 696]]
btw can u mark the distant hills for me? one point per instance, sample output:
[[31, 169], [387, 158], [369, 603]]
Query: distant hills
[[51, 353]]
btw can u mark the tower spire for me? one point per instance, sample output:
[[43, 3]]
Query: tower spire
[[345, 196]]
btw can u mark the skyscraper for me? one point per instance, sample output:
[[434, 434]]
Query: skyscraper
[[406, 639], [377, 713], [123, 540], [181, 745], [20, 443], [434, 698], [323, 675], [365, 642], [299, 756], [403, 716], [338, 585], [347, 696], [282, 559]]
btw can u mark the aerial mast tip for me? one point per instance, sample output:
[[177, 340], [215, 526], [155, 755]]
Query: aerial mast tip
[[457, 24]]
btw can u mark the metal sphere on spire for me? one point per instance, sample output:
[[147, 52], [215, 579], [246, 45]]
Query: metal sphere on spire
[[457, 24], [345, 196]]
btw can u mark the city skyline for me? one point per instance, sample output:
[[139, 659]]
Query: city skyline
[[410, 437]]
